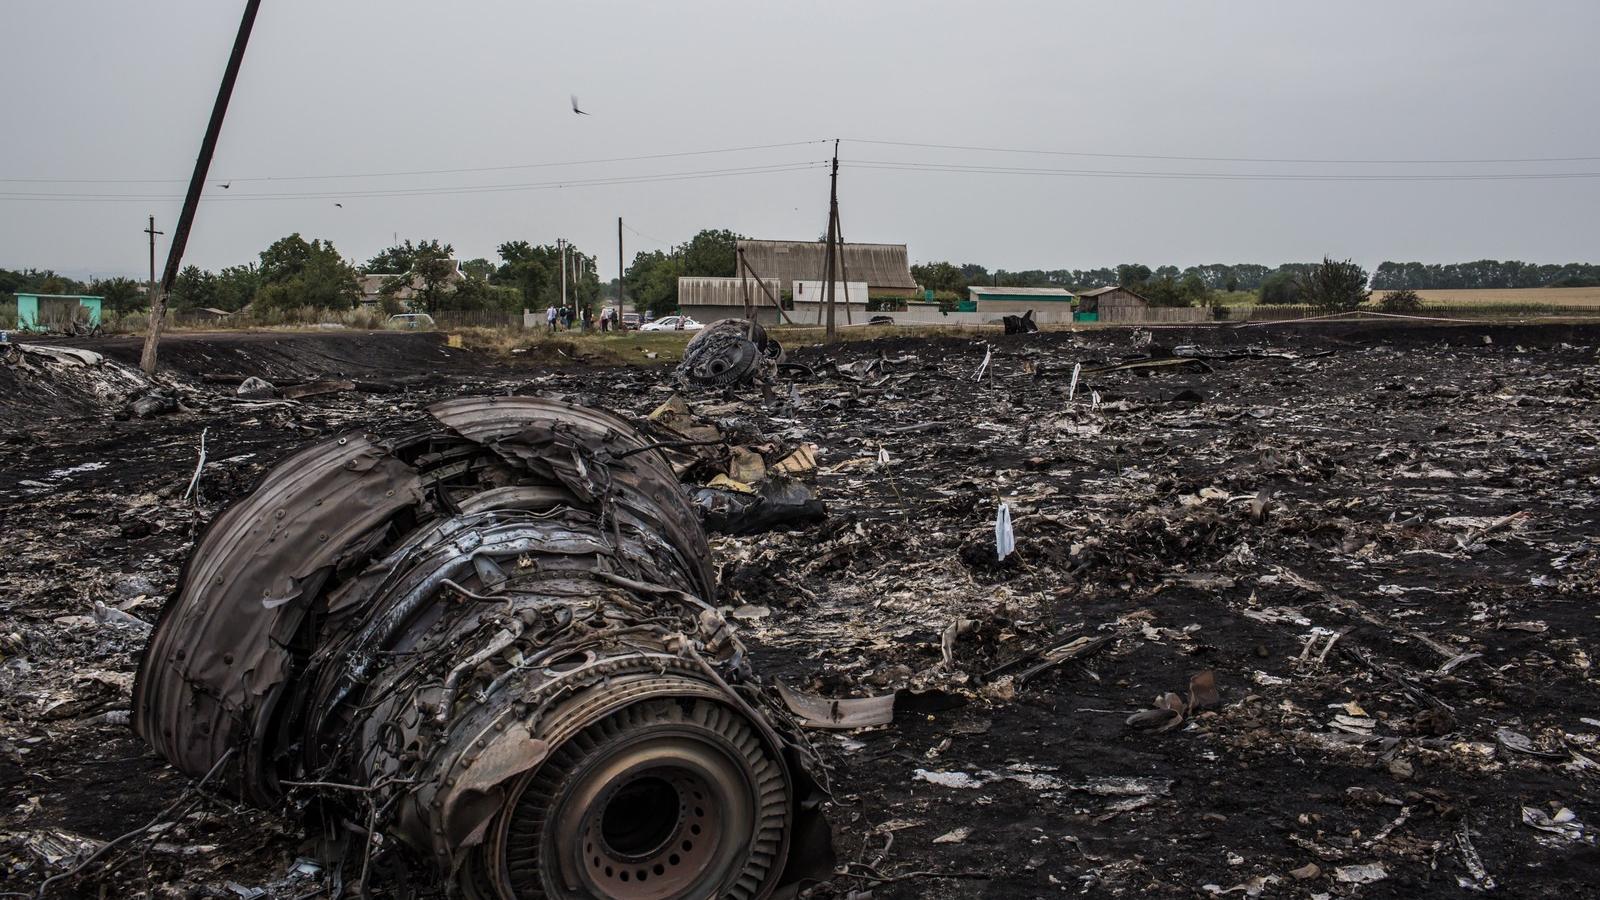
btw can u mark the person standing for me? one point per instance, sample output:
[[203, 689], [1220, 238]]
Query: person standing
[[550, 319]]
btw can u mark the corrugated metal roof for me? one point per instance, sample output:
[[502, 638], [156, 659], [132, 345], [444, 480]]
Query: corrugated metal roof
[[1104, 290], [1021, 291], [879, 265], [707, 291]]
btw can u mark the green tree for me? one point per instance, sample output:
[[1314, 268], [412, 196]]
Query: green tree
[[1165, 290], [430, 277], [940, 277], [1336, 286], [1281, 289], [237, 286], [194, 289], [711, 253], [399, 259], [295, 272], [475, 293], [653, 281], [1194, 288], [528, 269], [39, 281], [121, 294], [1132, 274]]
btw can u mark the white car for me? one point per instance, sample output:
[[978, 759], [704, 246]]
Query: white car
[[410, 321], [672, 323]]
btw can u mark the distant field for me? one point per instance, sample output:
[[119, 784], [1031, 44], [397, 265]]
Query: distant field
[[1576, 297]]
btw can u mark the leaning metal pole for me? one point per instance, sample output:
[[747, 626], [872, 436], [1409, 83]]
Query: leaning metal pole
[[502, 631], [197, 182]]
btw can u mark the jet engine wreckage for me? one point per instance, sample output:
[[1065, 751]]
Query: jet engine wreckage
[[494, 642], [728, 353]]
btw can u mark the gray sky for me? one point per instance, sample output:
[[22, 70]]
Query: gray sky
[[108, 89]]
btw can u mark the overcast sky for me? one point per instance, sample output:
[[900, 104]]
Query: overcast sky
[[115, 90]]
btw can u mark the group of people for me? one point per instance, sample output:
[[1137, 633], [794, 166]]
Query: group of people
[[561, 318]]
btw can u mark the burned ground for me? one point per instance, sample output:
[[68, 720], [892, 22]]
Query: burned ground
[[1383, 544]]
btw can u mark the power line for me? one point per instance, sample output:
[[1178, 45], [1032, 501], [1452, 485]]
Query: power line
[[909, 166], [1232, 159], [463, 171], [434, 191], [648, 237]]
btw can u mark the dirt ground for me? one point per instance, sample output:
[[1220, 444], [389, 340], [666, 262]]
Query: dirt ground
[[1382, 543]]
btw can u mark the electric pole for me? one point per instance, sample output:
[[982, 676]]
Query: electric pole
[[151, 230], [197, 181], [561, 245], [622, 292], [833, 237]]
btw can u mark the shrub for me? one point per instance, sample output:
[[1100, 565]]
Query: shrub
[[1404, 300]]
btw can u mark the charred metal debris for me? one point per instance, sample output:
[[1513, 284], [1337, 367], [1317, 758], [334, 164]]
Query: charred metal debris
[[729, 353], [489, 650]]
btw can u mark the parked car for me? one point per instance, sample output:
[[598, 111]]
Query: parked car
[[410, 321], [631, 321], [673, 323]]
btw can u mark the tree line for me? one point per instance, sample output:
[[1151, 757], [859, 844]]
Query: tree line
[[1162, 286], [1274, 283], [294, 272], [1483, 273], [946, 276]]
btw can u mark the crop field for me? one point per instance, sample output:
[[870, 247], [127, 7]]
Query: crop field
[[1588, 297]]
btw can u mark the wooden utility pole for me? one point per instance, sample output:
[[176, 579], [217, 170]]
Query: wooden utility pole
[[561, 247], [833, 237], [744, 283], [151, 230], [197, 181], [777, 302], [844, 271], [622, 291]]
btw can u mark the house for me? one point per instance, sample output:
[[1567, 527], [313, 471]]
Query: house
[[708, 299], [1111, 303], [57, 312], [372, 284], [202, 315], [885, 268], [1017, 299]]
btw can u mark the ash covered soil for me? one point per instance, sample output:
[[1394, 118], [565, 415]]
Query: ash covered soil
[[1382, 544]]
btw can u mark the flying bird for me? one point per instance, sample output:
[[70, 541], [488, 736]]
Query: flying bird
[[340, 205], [225, 185], [575, 106]]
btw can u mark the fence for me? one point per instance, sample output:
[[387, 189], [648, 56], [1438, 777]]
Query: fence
[[1154, 315], [478, 318], [1431, 310]]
